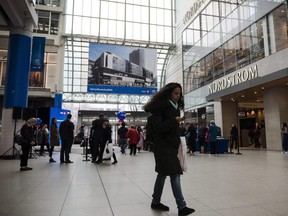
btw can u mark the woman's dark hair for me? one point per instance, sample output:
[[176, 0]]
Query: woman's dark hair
[[52, 122], [160, 98], [284, 124]]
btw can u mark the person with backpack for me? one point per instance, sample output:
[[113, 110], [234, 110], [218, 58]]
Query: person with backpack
[[165, 106]]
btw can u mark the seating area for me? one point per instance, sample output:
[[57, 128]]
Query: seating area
[[254, 183]]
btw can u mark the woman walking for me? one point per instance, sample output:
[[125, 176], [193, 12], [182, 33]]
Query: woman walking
[[165, 106]]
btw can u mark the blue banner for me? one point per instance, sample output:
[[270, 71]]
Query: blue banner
[[37, 58], [58, 101], [121, 90], [17, 72]]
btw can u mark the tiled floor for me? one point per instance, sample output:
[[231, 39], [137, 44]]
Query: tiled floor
[[254, 183]]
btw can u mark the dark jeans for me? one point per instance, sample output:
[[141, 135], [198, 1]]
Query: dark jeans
[[102, 148], [132, 149], [65, 150], [123, 144], [94, 147], [176, 188], [51, 149], [25, 153], [232, 141], [213, 147], [42, 147]]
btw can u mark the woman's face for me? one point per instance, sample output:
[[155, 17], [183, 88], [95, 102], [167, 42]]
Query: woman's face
[[175, 95], [55, 120]]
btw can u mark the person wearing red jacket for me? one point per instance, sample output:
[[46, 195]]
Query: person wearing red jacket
[[134, 138]]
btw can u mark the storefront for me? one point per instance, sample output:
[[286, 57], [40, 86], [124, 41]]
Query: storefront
[[241, 71]]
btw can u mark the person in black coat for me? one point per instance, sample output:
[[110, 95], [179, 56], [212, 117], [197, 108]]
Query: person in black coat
[[192, 139], [27, 133], [97, 132], [66, 132], [233, 137], [165, 106]]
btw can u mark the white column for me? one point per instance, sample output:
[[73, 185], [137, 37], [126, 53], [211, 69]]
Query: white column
[[275, 108]]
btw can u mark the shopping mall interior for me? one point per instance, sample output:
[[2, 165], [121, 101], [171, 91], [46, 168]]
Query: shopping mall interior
[[109, 57]]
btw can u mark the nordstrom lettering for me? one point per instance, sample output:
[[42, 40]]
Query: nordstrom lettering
[[195, 7], [233, 79]]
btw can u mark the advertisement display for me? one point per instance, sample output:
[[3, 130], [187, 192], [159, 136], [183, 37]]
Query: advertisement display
[[122, 70]]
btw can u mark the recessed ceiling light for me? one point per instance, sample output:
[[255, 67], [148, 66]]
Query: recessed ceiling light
[[263, 88], [242, 96]]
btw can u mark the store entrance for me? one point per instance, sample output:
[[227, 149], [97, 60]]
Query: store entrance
[[252, 127]]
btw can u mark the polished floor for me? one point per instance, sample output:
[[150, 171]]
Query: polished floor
[[254, 183]]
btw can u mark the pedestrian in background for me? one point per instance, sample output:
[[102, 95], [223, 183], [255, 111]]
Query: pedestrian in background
[[27, 133], [66, 131], [54, 138]]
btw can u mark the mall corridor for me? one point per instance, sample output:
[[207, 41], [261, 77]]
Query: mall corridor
[[254, 183]]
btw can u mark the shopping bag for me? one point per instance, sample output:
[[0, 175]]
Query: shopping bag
[[182, 154], [108, 151]]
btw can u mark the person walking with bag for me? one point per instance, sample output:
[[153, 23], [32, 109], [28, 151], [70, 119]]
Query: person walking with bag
[[165, 106], [27, 133]]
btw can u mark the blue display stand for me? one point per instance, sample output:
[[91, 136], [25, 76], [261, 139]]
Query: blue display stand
[[222, 145]]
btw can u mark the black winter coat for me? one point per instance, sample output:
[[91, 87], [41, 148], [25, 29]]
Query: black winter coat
[[66, 130], [166, 140]]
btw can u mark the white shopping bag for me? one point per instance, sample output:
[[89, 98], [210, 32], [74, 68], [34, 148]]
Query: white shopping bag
[[108, 151], [182, 154]]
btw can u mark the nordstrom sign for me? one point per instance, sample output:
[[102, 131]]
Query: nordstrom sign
[[233, 79]]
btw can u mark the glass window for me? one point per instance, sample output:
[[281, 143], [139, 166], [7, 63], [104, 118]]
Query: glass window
[[229, 56], [218, 63], [56, 3], [43, 22], [54, 23], [242, 44], [279, 26], [87, 8], [209, 68], [257, 41], [78, 7]]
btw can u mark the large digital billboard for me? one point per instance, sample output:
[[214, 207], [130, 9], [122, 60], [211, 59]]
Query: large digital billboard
[[122, 70]]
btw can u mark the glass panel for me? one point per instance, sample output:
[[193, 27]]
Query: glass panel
[[120, 29], [209, 68], [218, 63], [153, 16], [120, 11], [86, 25], [69, 6], [257, 41], [167, 17], [56, 3], [95, 8], [77, 25], [280, 27], [94, 27], [87, 7], [243, 45], [229, 56], [78, 7], [104, 9], [104, 28], [43, 22], [54, 23]]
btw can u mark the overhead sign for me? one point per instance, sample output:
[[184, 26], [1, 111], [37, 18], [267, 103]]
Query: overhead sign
[[233, 79]]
